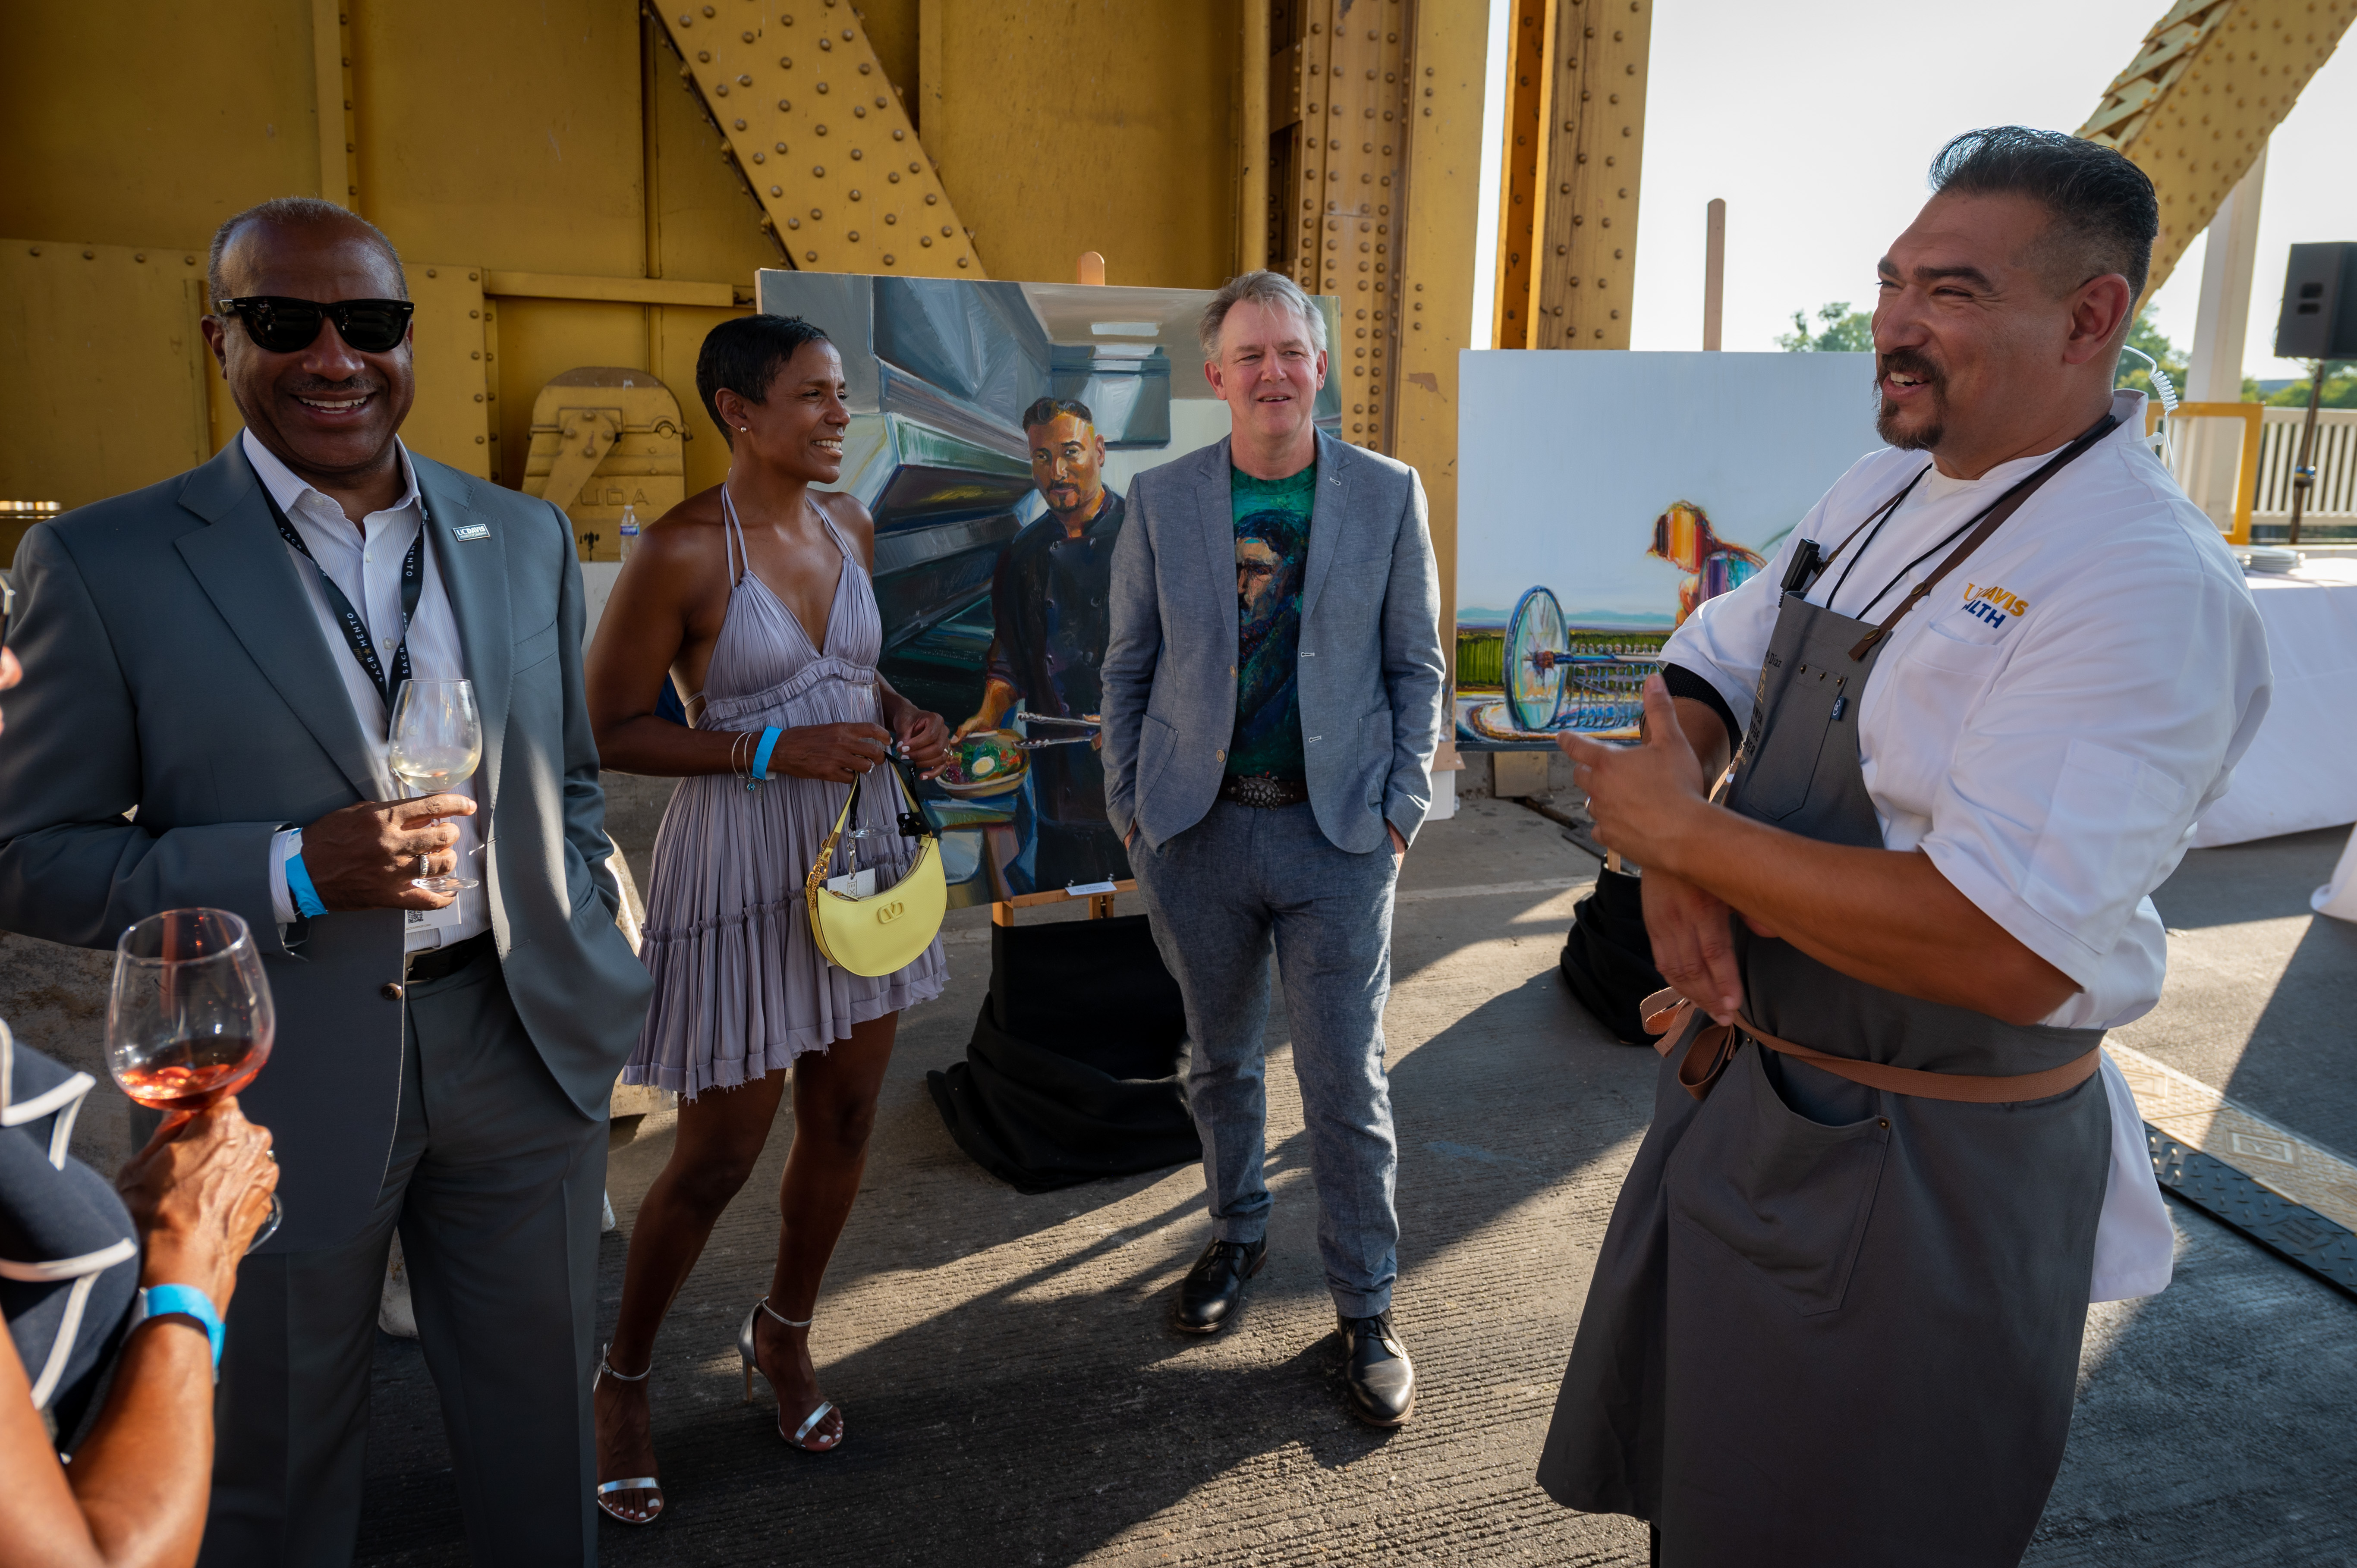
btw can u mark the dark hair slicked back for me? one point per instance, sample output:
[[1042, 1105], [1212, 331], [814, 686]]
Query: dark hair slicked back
[[1049, 409], [2104, 209], [745, 354]]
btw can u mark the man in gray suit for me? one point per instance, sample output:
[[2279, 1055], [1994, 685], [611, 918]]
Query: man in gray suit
[[1268, 758], [209, 667]]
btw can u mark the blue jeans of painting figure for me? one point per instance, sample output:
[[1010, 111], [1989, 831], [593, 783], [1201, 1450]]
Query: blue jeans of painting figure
[[1219, 896]]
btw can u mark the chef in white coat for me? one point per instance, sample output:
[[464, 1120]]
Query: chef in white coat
[[1980, 698]]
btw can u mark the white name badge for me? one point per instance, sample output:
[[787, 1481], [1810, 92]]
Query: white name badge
[[430, 919], [860, 884]]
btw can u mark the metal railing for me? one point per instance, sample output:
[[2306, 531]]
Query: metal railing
[[2333, 498], [2205, 455]]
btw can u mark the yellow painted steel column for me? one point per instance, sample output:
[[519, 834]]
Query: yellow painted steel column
[[1518, 198], [332, 80], [1437, 259], [2195, 107], [1347, 192], [1585, 280], [1252, 136]]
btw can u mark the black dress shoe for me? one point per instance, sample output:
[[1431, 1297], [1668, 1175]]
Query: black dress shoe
[[1214, 1288], [1381, 1378]]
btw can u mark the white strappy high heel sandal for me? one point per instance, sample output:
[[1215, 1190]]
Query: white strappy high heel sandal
[[613, 1511], [752, 1364]]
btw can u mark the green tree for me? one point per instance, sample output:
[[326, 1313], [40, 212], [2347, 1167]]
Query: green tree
[[2133, 375], [1847, 331], [2339, 392]]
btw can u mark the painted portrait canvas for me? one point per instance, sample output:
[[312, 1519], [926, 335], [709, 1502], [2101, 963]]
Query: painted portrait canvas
[[996, 429], [1603, 495]]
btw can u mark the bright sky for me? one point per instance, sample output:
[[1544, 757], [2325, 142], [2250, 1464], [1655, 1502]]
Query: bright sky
[[1815, 122]]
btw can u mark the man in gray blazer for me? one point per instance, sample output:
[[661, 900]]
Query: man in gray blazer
[[1268, 758], [209, 666]]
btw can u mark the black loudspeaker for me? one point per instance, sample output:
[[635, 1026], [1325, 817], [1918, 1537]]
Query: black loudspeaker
[[2319, 304]]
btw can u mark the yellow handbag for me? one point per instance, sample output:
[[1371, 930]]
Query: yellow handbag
[[889, 929]]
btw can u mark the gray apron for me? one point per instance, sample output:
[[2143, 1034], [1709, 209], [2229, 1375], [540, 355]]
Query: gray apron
[[1831, 1324]]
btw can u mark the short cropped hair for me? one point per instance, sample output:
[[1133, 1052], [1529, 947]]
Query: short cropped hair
[[1048, 410], [745, 354], [294, 212], [2105, 215], [1266, 288]]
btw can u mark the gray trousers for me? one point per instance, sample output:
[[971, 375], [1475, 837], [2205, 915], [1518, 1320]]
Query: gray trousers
[[1219, 897], [495, 1181]]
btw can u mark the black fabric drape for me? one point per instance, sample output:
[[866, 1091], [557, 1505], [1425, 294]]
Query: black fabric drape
[[1607, 958], [1073, 1073]]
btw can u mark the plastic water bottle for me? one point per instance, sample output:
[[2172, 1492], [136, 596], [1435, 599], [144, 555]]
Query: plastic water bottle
[[629, 531]]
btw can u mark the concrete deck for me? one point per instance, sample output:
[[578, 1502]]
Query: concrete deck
[[1014, 1397]]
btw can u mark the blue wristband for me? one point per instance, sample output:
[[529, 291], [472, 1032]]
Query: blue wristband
[[182, 1300], [298, 882], [762, 757]]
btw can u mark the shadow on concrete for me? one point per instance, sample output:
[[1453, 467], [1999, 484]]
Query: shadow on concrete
[[1046, 1411], [2292, 1059]]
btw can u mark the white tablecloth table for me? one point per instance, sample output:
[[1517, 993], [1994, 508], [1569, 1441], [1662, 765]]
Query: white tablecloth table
[[2301, 770], [2338, 897]]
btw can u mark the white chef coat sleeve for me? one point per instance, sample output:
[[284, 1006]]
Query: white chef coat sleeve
[[1725, 639], [2114, 717]]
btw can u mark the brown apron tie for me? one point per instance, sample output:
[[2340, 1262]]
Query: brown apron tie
[[1666, 1013]]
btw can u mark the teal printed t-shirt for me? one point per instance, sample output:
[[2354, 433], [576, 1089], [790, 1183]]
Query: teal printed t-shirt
[[1272, 518]]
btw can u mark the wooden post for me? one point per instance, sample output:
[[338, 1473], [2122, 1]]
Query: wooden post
[[1713, 272]]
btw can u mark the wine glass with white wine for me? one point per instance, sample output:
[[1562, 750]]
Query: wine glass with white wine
[[438, 742]]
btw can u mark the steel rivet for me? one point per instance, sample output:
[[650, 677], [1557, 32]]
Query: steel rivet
[[853, 236]]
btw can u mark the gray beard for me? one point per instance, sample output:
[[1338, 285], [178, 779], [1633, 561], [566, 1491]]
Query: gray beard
[[1886, 423]]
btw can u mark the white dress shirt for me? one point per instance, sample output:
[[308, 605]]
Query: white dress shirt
[[2046, 726], [364, 562]]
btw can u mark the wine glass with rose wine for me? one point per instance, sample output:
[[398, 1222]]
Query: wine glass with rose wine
[[188, 1018], [438, 742]]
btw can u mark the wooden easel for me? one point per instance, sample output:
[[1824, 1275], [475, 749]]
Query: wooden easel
[[1002, 912]]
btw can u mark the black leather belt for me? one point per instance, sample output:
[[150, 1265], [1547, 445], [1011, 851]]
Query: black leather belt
[[440, 963], [1263, 790]]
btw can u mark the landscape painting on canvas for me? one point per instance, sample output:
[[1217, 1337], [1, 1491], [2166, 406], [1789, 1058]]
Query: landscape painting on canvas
[[1602, 496], [996, 429]]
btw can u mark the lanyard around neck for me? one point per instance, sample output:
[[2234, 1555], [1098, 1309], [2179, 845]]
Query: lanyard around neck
[[356, 630]]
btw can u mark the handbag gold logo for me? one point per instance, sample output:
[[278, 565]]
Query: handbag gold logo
[[891, 912]]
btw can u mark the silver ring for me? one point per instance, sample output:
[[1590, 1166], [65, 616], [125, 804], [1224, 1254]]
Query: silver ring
[[425, 864]]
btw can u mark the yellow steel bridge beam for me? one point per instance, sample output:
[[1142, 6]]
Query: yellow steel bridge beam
[[2208, 83], [820, 136]]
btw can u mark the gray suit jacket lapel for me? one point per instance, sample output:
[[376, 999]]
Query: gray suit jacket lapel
[[1216, 497], [1329, 518], [475, 578], [245, 569]]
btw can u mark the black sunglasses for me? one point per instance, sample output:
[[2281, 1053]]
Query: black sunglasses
[[286, 326]]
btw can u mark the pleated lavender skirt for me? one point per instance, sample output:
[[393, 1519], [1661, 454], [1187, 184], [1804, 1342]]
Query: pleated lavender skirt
[[740, 989]]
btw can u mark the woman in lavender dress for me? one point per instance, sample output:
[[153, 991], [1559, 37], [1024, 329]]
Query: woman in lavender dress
[[755, 597]]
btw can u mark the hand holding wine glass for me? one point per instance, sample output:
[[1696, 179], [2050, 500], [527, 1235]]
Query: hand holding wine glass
[[438, 742], [189, 1019], [200, 1193]]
